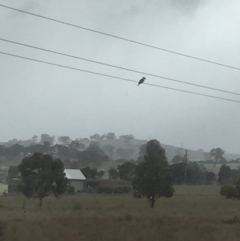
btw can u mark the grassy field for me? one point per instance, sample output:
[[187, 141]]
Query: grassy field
[[194, 213]]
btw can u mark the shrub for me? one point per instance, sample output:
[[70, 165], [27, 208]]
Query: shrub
[[229, 191]]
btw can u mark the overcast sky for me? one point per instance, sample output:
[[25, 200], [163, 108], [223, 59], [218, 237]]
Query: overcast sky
[[37, 98]]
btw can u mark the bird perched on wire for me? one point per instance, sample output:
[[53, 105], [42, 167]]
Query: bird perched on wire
[[141, 80]]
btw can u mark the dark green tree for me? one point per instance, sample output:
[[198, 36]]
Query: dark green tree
[[123, 153], [126, 138], [3, 150], [91, 172], [127, 171], [224, 174], [109, 150], [76, 145], [46, 147], [62, 151], [46, 137], [92, 156], [100, 173], [41, 176], [153, 177], [14, 150], [178, 171], [207, 178], [35, 148], [142, 152], [95, 137], [192, 173], [110, 136], [113, 173], [177, 159], [35, 139], [65, 140], [217, 153]]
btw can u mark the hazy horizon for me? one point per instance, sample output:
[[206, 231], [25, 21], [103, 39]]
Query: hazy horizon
[[56, 141]]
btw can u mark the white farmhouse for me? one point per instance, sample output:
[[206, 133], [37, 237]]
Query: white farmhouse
[[76, 178]]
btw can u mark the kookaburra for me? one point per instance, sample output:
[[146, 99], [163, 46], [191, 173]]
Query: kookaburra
[[141, 80]]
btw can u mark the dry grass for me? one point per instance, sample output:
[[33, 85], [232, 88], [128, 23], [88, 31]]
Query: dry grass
[[194, 213]]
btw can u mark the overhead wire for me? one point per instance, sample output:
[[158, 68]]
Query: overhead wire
[[116, 77], [118, 37], [118, 67]]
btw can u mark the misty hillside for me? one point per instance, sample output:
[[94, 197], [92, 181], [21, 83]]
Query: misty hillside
[[124, 147]]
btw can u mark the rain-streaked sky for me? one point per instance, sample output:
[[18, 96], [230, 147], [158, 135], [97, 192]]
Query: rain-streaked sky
[[36, 98]]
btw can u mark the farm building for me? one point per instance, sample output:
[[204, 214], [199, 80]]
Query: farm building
[[76, 179]]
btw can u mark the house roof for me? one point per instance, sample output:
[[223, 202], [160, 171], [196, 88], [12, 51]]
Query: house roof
[[74, 174]]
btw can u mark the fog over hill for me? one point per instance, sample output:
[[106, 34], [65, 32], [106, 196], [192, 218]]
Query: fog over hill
[[122, 147]]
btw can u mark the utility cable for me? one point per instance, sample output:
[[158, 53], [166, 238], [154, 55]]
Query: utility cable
[[115, 77], [119, 67]]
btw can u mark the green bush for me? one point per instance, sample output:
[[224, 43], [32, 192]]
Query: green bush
[[229, 191]]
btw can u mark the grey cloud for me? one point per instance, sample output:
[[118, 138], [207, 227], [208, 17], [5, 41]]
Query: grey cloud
[[30, 6], [187, 4], [36, 99]]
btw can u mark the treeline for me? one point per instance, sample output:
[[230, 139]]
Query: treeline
[[84, 149], [182, 173], [92, 155], [66, 140], [223, 161], [215, 156], [190, 173]]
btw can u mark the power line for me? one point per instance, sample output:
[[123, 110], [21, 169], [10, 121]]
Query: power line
[[115, 77], [119, 67], [121, 38]]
